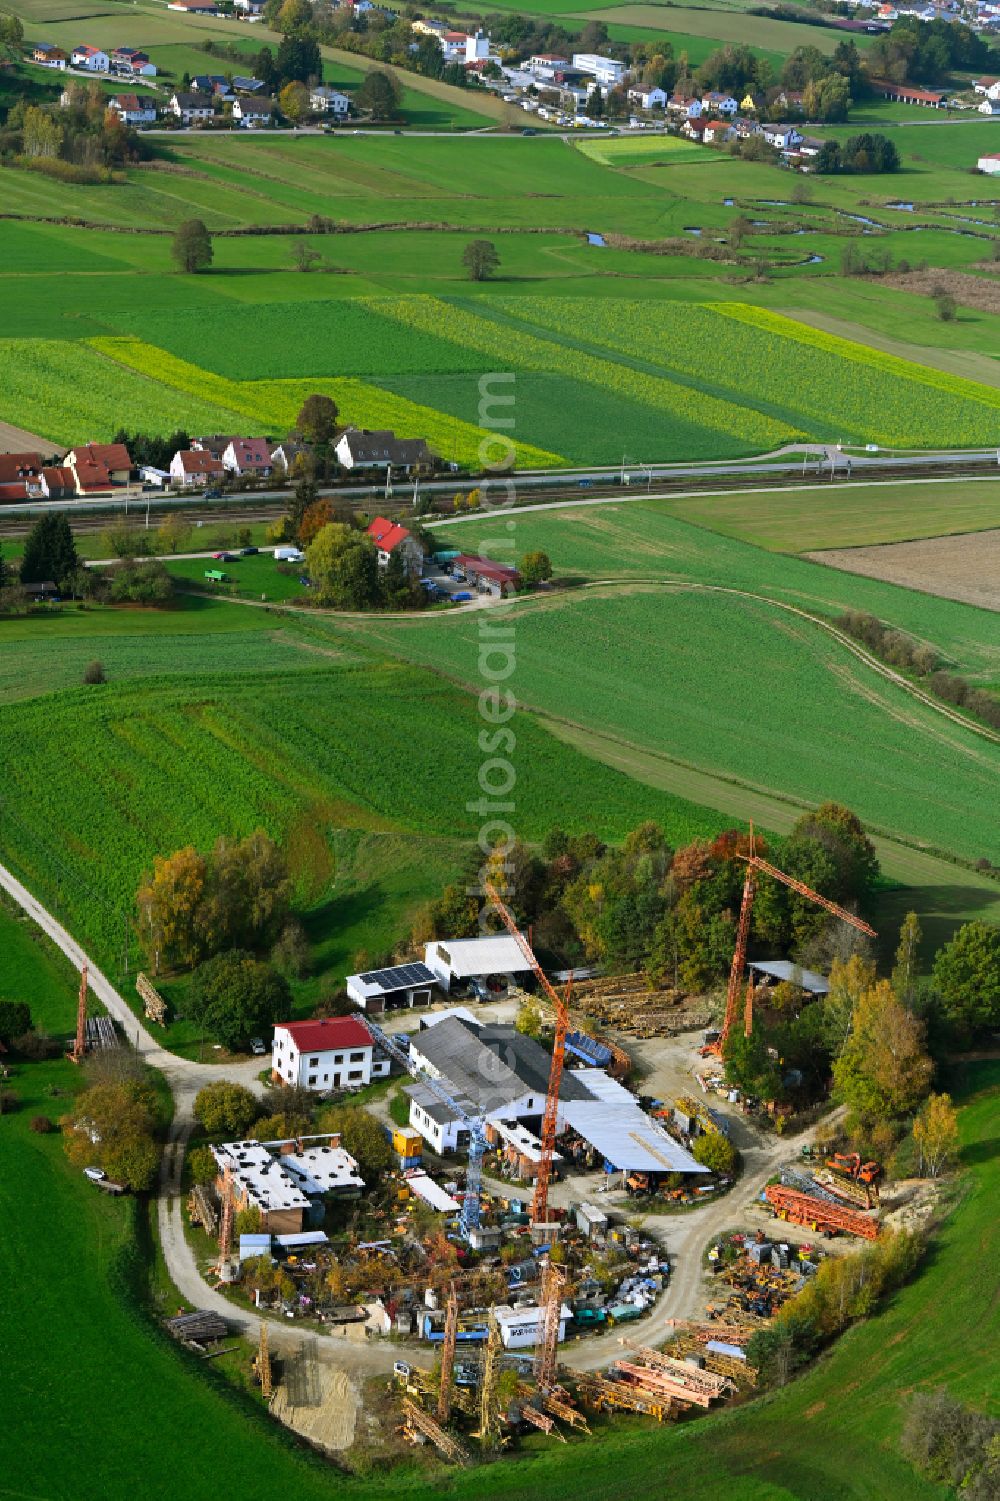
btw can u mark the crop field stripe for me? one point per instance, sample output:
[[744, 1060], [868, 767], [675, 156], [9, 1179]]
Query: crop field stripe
[[890, 364], [433, 315], [839, 389], [277, 402]]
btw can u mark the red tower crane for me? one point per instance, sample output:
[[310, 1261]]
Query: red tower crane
[[560, 1004], [757, 865], [226, 1219]]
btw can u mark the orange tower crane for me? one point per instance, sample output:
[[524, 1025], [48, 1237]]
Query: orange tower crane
[[560, 1003], [80, 1041], [757, 866], [550, 1312]]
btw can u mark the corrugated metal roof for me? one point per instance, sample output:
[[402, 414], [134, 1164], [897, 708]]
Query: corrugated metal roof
[[465, 958], [626, 1136], [492, 1066], [783, 969]]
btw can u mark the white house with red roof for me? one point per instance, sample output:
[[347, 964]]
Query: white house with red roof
[[335, 1052], [390, 537], [192, 467], [248, 456], [132, 110]]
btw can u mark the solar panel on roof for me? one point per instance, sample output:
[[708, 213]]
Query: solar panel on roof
[[398, 977]]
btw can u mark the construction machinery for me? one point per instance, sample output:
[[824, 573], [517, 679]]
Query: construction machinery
[[79, 1049], [560, 1005], [471, 1213], [756, 867], [550, 1311], [448, 1355], [850, 1165], [416, 1421], [819, 1214]]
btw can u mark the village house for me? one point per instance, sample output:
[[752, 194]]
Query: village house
[[99, 466], [194, 7], [215, 444], [91, 58], [989, 87], [21, 475], [782, 137], [607, 70], [329, 1053], [191, 467], [247, 85], [323, 100], [693, 129], [58, 482], [358, 448], [655, 98], [47, 55], [719, 104], [749, 104], [131, 60], [389, 538], [211, 83], [717, 132], [249, 10], [286, 455], [253, 112], [286, 1181], [132, 110], [192, 108], [248, 456], [688, 105], [990, 107], [990, 164]]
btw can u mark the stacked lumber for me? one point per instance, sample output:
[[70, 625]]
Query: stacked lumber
[[202, 1209], [155, 1006], [818, 1214], [195, 1328]]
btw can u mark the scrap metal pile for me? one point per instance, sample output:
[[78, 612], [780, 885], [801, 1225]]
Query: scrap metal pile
[[656, 1384]]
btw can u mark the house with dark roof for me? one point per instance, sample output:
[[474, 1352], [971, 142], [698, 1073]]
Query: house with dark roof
[[192, 108], [132, 60], [361, 448], [132, 110], [253, 110], [48, 55]]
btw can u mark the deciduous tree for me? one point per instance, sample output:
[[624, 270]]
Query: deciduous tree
[[535, 567], [234, 996], [192, 246], [935, 1133], [967, 975], [226, 1109], [480, 259], [380, 95], [883, 1072]]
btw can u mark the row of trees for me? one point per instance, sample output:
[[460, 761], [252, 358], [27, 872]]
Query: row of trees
[[86, 138], [50, 555], [917, 51], [868, 152]]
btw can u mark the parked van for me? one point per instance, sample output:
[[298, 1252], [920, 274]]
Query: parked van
[[288, 555]]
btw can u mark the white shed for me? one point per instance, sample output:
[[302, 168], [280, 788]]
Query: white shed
[[459, 960]]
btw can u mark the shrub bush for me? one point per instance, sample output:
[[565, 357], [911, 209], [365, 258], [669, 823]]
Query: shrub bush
[[94, 672]]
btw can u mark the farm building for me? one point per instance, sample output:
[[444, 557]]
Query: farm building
[[461, 961], [485, 575], [990, 164], [285, 1184], [330, 1053], [904, 94], [404, 985]]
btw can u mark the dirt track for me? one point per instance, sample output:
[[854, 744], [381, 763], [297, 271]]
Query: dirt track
[[966, 568], [19, 440]]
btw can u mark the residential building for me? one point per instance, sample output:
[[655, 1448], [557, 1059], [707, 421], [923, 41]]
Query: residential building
[[782, 137], [688, 105], [247, 85], [990, 164], [990, 107], [287, 1181], [131, 60], [99, 466], [250, 10], [192, 108], [248, 456], [693, 128], [24, 471], [324, 100], [547, 64], [749, 104], [717, 132], [330, 1053], [216, 443], [401, 987], [459, 961], [211, 83], [607, 70], [191, 468], [389, 538], [988, 87], [91, 58], [58, 482], [655, 98], [253, 111], [132, 110], [47, 55], [719, 104], [285, 455], [453, 45], [361, 448], [477, 47], [194, 7]]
